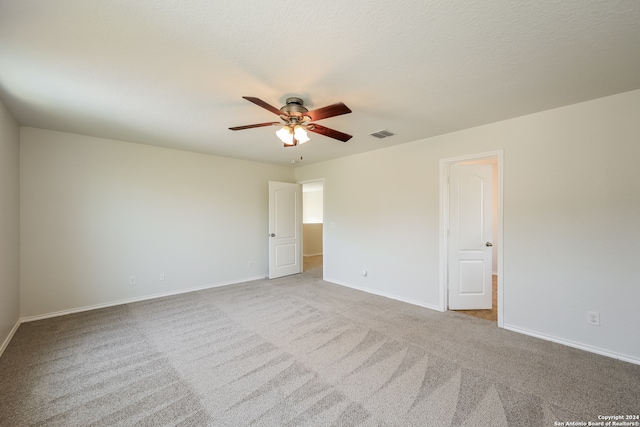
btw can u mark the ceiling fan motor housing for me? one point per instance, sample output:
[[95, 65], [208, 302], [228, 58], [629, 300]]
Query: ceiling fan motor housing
[[294, 107]]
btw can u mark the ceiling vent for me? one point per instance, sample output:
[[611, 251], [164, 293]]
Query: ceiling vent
[[382, 134]]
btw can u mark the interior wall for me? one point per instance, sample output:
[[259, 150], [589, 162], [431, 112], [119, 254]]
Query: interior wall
[[312, 239], [96, 212], [570, 220], [9, 225], [312, 206]]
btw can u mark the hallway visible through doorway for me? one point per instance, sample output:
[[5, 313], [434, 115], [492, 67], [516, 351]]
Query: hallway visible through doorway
[[313, 265], [313, 227]]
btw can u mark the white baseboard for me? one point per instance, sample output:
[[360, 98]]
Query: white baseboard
[[545, 337], [6, 342], [382, 294], [574, 344], [131, 300]]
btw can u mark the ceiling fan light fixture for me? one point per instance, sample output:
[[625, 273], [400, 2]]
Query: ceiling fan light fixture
[[292, 135], [300, 134], [285, 134]]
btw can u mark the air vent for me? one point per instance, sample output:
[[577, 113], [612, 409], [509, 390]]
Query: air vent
[[382, 134]]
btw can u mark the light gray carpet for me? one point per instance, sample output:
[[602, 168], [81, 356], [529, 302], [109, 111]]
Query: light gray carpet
[[298, 351]]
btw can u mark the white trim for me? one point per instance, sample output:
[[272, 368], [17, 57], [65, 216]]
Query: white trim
[[382, 294], [444, 215], [516, 329], [568, 343], [6, 342], [132, 300], [311, 181], [574, 344]]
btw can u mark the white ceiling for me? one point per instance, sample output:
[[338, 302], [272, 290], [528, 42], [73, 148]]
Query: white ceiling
[[172, 73]]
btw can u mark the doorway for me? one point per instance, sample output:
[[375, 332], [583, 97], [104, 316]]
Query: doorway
[[485, 282], [313, 227]]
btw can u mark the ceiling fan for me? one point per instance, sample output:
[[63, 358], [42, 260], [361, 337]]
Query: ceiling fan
[[296, 118]]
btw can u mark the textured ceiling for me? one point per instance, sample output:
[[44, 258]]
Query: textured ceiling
[[172, 73]]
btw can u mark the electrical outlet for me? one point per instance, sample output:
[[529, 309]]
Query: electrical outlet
[[161, 276], [249, 264], [593, 318], [132, 280]]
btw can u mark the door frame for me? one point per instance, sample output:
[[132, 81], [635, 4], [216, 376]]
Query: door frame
[[324, 222], [444, 226]]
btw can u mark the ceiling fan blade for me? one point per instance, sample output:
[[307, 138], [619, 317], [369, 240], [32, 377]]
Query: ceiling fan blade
[[257, 125], [259, 102], [328, 111], [331, 133]]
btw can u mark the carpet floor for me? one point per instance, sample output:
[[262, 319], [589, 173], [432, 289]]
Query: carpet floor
[[298, 351]]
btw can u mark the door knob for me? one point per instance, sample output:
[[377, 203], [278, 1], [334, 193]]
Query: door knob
[[273, 234], [488, 244]]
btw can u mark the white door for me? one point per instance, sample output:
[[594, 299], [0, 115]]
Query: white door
[[285, 229], [470, 251]]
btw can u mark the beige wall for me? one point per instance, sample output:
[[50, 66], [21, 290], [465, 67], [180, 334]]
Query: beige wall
[[96, 211], [312, 239], [312, 207], [9, 226], [571, 228]]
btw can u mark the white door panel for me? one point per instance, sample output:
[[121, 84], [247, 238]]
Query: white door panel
[[285, 229], [470, 235], [471, 277]]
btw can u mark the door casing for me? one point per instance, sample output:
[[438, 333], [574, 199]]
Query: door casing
[[444, 226]]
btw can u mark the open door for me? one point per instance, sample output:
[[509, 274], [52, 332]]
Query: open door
[[470, 236], [285, 229]]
